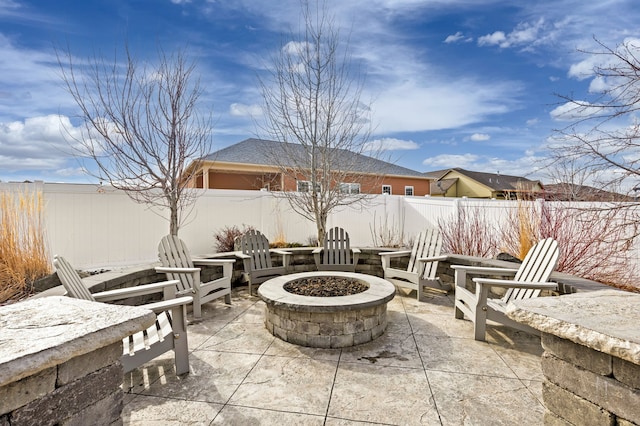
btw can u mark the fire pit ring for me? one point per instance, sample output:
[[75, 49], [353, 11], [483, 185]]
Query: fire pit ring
[[326, 322]]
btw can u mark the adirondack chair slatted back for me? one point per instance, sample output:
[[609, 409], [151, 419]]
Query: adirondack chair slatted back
[[427, 244], [256, 245], [337, 250], [71, 280], [536, 267], [173, 253]]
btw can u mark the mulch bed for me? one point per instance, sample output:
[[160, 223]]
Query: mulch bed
[[325, 286]]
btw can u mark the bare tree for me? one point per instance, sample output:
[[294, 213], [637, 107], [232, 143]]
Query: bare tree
[[141, 126], [603, 138], [312, 107]]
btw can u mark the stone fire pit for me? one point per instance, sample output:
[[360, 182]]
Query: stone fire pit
[[327, 321]]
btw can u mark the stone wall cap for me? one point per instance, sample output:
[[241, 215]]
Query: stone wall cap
[[41, 333], [380, 291], [606, 321]]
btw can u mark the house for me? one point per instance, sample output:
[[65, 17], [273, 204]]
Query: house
[[256, 164], [574, 192], [458, 182]]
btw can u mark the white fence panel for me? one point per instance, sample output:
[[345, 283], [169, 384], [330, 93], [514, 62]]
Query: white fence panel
[[96, 227]]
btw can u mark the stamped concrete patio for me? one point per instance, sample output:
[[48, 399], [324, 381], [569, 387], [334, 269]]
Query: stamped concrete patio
[[426, 369]]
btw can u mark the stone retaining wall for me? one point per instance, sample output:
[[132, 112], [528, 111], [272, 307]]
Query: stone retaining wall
[[587, 387], [60, 361], [302, 261], [591, 360]]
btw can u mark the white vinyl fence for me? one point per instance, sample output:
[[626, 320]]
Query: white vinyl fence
[[96, 226]]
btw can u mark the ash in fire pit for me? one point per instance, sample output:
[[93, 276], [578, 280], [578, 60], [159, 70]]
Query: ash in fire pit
[[326, 286]]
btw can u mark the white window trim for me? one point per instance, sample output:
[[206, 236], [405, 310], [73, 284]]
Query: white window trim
[[408, 187], [308, 183], [352, 188], [390, 189]]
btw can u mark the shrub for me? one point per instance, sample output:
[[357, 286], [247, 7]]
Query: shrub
[[593, 244], [470, 232], [226, 237]]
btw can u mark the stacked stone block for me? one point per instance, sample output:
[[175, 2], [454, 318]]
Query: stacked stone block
[[60, 361], [84, 390], [327, 329], [591, 359], [587, 387]]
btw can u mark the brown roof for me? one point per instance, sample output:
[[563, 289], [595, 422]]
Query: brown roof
[[573, 192], [499, 182], [262, 151], [442, 186]]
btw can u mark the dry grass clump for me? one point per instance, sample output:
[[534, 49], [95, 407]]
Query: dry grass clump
[[23, 253]]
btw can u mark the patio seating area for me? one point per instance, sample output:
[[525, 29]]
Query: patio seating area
[[426, 369]]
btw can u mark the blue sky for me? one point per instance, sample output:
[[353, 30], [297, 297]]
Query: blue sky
[[454, 83]]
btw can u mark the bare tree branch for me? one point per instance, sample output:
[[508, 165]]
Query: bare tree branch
[[141, 126], [601, 145], [312, 106]]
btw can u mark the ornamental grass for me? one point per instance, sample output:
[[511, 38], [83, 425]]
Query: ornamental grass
[[23, 248]]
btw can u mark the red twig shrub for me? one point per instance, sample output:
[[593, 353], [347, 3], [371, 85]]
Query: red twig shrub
[[226, 237]]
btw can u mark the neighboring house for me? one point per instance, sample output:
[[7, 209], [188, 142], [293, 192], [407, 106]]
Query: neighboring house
[[575, 192], [458, 182], [249, 165]]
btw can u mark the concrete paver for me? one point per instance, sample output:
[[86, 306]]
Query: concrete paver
[[425, 370]]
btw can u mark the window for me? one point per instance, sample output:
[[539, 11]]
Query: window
[[350, 188], [386, 189], [408, 190], [305, 186]]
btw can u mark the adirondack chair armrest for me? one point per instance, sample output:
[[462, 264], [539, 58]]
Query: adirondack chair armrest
[[356, 250], [140, 290], [491, 282], [241, 255], [399, 253], [281, 252], [227, 264], [214, 262], [433, 259], [286, 257], [165, 305], [167, 269], [485, 270]]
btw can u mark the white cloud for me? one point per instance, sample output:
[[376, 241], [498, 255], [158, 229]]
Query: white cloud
[[36, 143], [524, 34], [532, 122], [570, 111], [391, 144], [497, 38], [242, 110], [451, 160], [523, 166], [477, 137], [419, 104], [29, 82], [454, 38], [295, 47]]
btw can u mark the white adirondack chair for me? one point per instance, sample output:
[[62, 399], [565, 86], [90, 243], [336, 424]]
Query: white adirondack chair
[[177, 264], [336, 253], [256, 258], [168, 333], [422, 267], [528, 280]]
